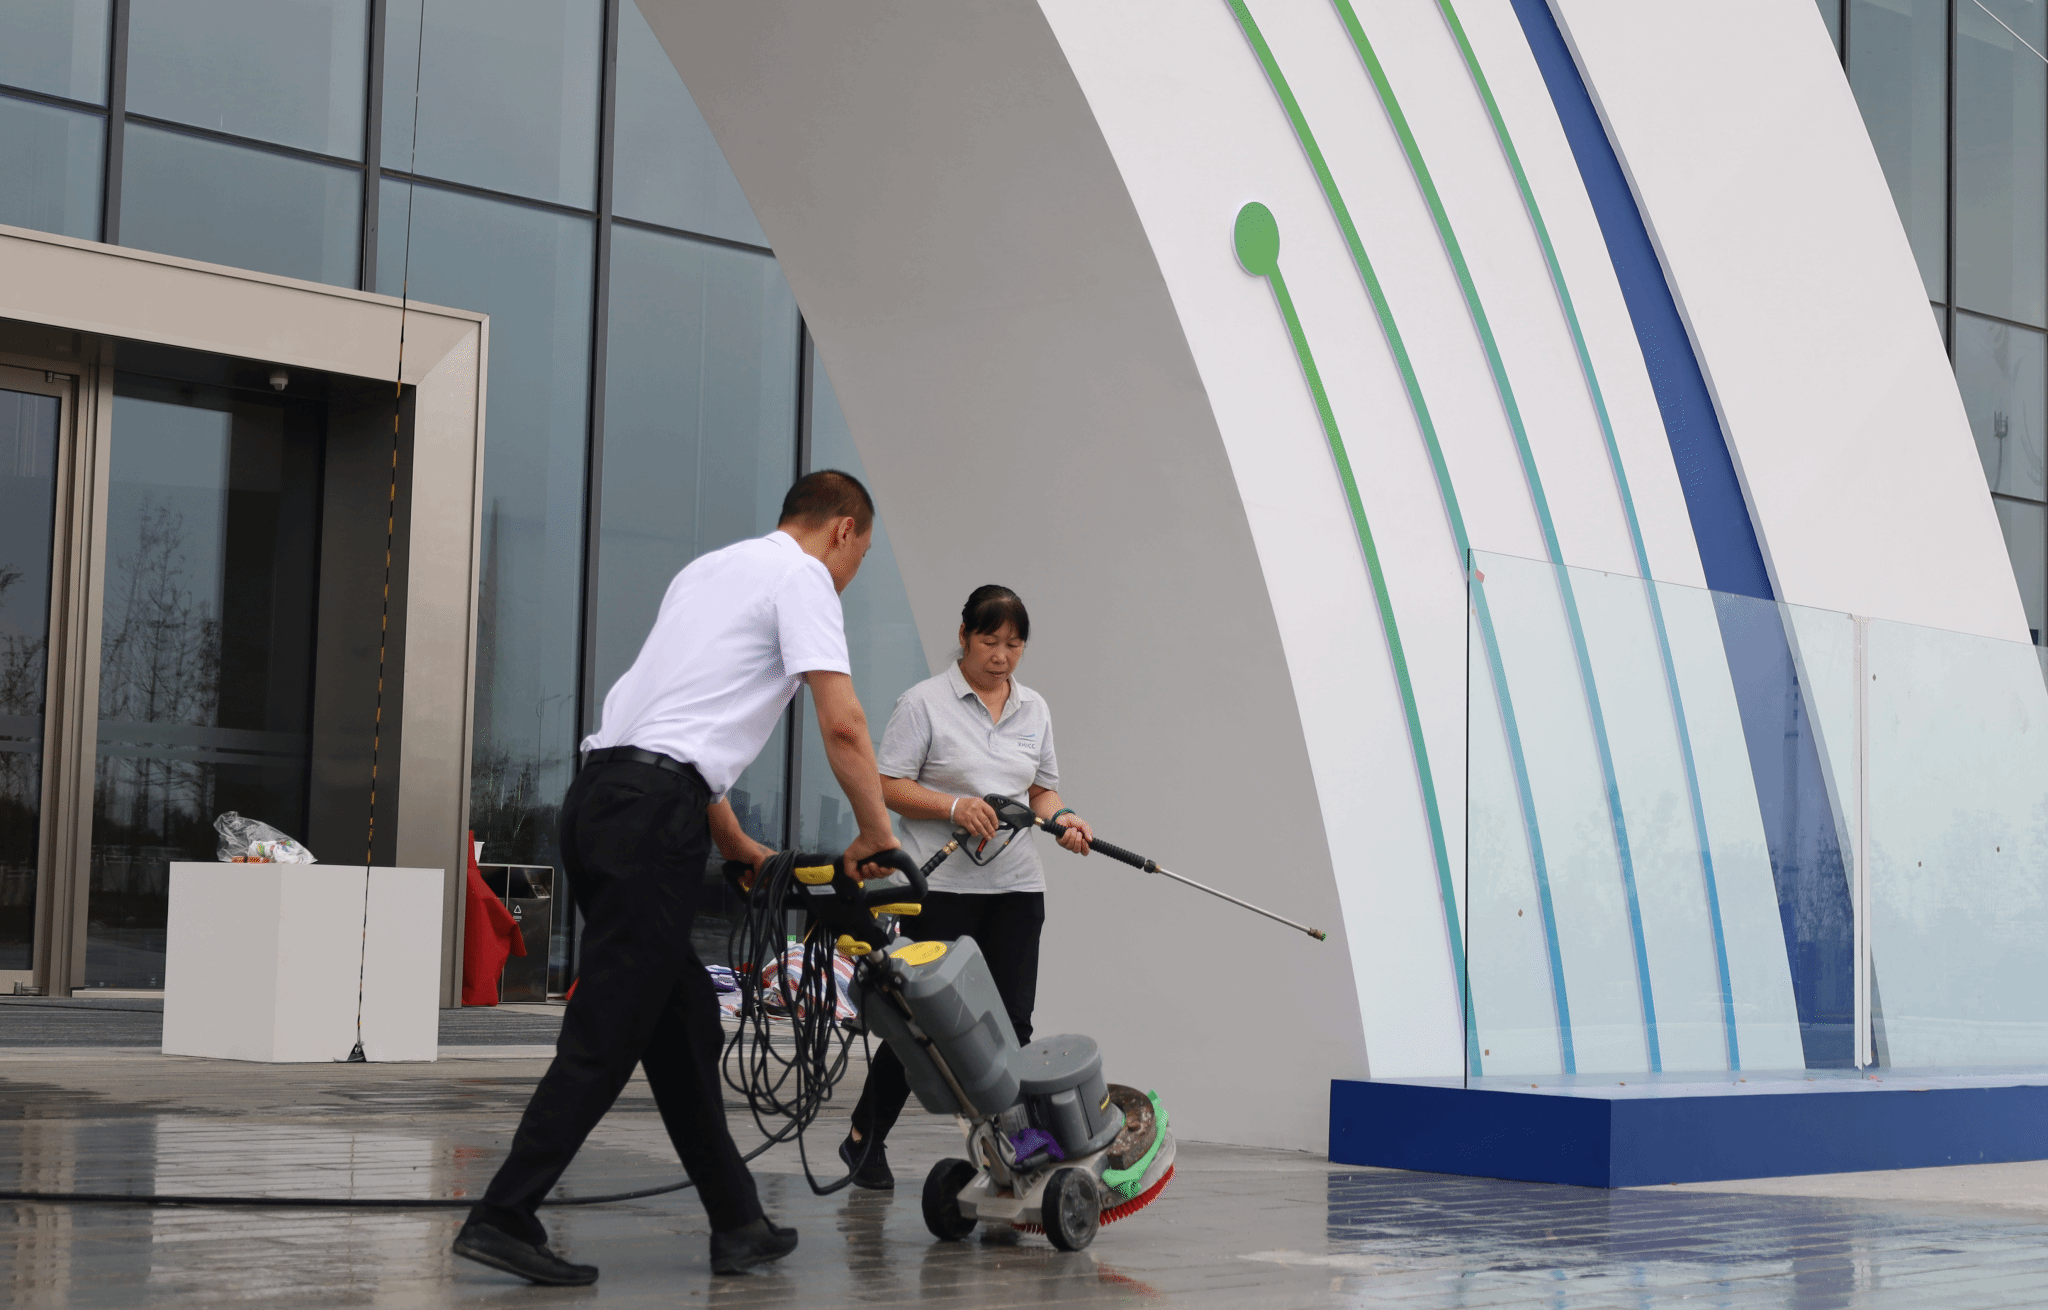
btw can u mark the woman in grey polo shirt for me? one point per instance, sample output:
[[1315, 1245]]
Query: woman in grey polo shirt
[[970, 732]]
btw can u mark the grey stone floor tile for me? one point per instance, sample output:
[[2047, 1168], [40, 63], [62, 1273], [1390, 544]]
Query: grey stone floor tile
[[1238, 1227]]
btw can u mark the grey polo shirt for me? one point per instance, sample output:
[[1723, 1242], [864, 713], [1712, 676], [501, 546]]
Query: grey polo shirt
[[940, 736]]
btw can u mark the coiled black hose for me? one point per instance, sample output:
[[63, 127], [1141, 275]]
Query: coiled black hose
[[794, 1087]]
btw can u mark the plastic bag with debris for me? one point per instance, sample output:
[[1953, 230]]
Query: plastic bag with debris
[[252, 841], [793, 962]]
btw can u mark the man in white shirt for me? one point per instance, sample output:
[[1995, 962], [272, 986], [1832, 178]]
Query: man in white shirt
[[737, 632]]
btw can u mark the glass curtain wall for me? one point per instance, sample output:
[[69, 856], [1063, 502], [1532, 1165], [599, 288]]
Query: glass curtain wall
[[669, 169], [529, 269], [242, 133], [647, 385], [1955, 94], [700, 425], [236, 136], [881, 637], [1898, 65], [54, 58]]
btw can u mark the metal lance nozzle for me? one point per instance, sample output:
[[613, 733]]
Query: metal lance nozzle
[[1137, 861], [1316, 933]]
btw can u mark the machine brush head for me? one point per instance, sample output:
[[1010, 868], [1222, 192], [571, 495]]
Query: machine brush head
[[1128, 1208], [1140, 1160]]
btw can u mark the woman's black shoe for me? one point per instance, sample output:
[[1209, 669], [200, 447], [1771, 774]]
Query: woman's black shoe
[[740, 1249], [533, 1262], [871, 1173]]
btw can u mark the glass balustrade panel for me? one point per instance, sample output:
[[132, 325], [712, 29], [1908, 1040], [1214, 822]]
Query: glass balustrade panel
[[1657, 884], [1958, 842]]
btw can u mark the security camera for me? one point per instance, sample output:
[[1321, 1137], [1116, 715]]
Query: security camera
[[279, 379]]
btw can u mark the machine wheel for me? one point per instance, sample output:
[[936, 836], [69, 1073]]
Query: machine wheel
[[1072, 1209], [942, 1187]]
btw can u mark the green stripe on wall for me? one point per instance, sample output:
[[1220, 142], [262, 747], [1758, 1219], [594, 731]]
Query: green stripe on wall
[[1511, 409], [1257, 238], [1426, 428]]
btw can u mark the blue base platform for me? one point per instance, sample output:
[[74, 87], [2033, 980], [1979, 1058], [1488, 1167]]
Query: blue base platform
[[1619, 1135]]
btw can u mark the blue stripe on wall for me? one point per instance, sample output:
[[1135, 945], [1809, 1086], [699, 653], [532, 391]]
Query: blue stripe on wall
[[1713, 495], [1799, 825]]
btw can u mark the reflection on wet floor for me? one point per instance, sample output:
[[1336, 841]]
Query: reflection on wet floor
[[138, 1021], [1238, 1227]]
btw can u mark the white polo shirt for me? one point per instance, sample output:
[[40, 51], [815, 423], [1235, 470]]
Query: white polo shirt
[[940, 736], [735, 631]]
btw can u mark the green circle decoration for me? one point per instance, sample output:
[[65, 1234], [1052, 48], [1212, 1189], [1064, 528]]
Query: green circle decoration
[[1258, 240]]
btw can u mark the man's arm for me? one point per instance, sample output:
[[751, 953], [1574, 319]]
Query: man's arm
[[731, 839], [844, 726]]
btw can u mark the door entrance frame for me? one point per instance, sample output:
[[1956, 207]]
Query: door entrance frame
[[65, 305]]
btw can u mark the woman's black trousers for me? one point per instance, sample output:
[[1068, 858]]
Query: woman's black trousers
[[1005, 925]]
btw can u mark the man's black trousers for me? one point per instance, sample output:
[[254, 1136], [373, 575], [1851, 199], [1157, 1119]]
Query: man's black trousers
[[1005, 925], [634, 842]]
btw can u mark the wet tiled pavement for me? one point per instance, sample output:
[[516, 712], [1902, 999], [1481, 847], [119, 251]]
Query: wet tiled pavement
[[139, 1022], [1237, 1227]]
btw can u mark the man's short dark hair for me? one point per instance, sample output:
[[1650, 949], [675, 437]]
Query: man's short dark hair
[[827, 494]]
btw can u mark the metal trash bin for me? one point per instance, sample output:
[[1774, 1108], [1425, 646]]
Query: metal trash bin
[[528, 890]]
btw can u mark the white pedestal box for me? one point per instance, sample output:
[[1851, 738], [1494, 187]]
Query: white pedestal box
[[263, 962]]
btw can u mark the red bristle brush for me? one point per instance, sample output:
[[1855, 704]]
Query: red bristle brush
[[1120, 1211]]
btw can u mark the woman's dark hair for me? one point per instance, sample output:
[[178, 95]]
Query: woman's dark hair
[[990, 607]]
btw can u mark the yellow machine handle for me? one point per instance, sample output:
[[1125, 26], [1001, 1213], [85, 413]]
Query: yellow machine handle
[[915, 953], [896, 909], [848, 946], [815, 877]]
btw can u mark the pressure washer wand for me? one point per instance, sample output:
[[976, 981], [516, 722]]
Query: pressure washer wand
[[1152, 866], [1137, 861]]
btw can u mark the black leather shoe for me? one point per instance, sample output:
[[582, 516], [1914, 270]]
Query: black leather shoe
[[740, 1249], [872, 1173], [533, 1262]]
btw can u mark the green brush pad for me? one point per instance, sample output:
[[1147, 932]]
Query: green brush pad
[[1126, 1182]]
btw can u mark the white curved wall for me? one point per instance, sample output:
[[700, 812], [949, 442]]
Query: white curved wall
[[1010, 364], [1771, 213], [1009, 226]]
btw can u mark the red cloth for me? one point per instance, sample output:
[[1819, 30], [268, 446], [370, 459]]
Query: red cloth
[[490, 935]]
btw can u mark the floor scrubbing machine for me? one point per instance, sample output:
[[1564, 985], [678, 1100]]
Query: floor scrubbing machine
[[1050, 1145]]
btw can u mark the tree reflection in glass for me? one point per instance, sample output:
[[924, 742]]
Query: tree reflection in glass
[[206, 647], [28, 452]]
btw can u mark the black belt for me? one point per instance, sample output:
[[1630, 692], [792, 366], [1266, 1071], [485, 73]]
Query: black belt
[[634, 755]]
